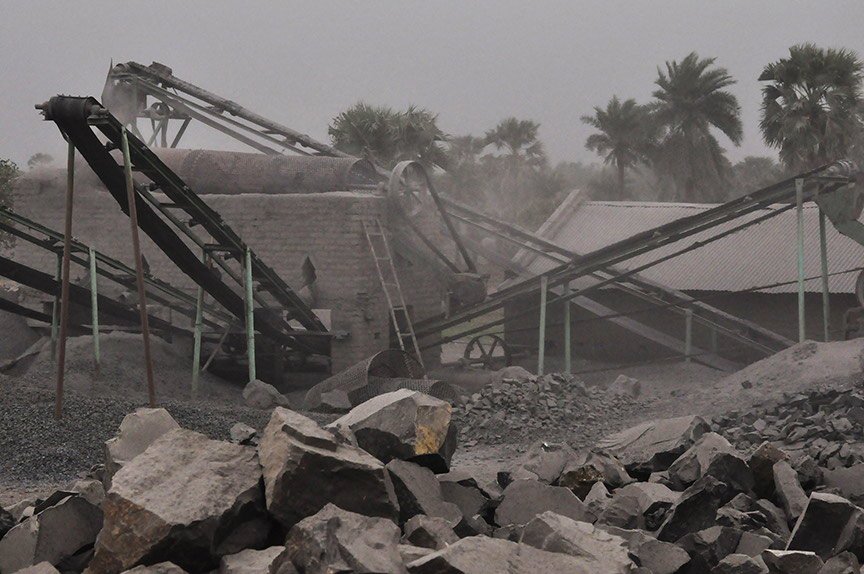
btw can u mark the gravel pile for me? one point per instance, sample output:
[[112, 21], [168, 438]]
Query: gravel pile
[[826, 425], [555, 407], [36, 448]]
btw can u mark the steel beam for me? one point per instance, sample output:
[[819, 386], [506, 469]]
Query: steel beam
[[541, 336], [826, 293], [64, 289], [250, 314], [568, 365], [94, 306], [799, 211]]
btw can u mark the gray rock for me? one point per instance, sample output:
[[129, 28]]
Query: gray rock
[[693, 464], [404, 425], [429, 532], [849, 481], [41, 568], [708, 547], [241, 433], [335, 401], [419, 492], [696, 509], [629, 505], [660, 557], [7, 521], [90, 489], [599, 550], [789, 491], [137, 431], [624, 386], [260, 395], [250, 561], [845, 563], [525, 499], [335, 540], [792, 562], [753, 544], [305, 468], [482, 555], [160, 568], [472, 526], [597, 499], [740, 564], [581, 472], [762, 463], [54, 534], [543, 461], [775, 518], [186, 499], [469, 498], [411, 553], [826, 526], [654, 445]]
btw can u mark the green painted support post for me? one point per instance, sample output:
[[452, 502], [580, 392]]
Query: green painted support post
[[826, 294], [799, 200], [250, 314], [688, 334], [94, 306], [568, 364], [541, 345], [55, 308], [196, 352]]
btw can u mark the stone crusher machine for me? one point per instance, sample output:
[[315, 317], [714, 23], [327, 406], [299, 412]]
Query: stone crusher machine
[[448, 234]]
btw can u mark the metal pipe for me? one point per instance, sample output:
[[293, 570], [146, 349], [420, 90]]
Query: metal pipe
[[541, 345], [250, 314], [55, 307], [799, 206], [688, 334], [826, 293], [94, 306], [139, 270], [64, 289], [568, 366], [196, 353]]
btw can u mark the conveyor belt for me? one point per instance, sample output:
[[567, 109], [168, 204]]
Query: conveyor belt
[[76, 118]]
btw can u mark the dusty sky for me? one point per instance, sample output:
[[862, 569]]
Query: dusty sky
[[474, 62]]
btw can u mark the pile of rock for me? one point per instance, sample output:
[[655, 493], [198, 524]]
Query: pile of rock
[[554, 407], [824, 426], [374, 492]]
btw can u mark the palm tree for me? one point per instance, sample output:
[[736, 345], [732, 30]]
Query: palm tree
[[811, 105], [623, 138], [519, 139], [691, 101], [386, 136]]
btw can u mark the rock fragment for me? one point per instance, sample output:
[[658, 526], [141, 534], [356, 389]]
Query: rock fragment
[[792, 562], [789, 491], [429, 532], [826, 526], [419, 492], [267, 561], [696, 509], [525, 499], [241, 433], [137, 431]]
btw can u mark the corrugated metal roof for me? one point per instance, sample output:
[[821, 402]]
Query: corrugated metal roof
[[762, 254]]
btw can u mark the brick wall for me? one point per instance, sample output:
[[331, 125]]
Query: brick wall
[[283, 229]]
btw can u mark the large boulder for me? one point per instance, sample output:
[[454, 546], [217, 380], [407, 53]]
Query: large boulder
[[307, 467], [708, 453], [654, 445], [707, 547], [52, 535], [848, 481], [599, 550], [160, 568], [648, 552], [524, 499], [791, 562], [7, 521], [405, 425], [464, 491], [827, 526], [696, 509], [186, 499], [482, 555], [639, 505], [419, 492], [789, 491], [137, 431], [582, 471], [251, 561], [335, 540], [429, 532], [543, 461], [740, 564], [762, 462], [260, 395]]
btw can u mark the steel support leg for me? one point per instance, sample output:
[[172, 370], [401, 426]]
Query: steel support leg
[[196, 353], [64, 288], [541, 337], [568, 364], [94, 307], [799, 200], [55, 308], [688, 334], [250, 314], [826, 293], [139, 270]]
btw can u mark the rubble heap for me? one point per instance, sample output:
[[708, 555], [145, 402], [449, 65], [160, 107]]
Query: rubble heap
[[374, 492], [553, 407]]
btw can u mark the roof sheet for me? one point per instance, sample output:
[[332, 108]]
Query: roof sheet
[[762, 254]]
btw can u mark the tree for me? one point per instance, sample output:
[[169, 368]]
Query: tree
[[624, 136], [811, 105], [386, 136], [519, 139], [8, 172], [38, 159], [690, 102], [754, 173]]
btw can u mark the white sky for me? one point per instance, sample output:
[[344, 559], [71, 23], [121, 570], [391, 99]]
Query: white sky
[[473, 62]]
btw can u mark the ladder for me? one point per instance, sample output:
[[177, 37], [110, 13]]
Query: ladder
[[395, 300]]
